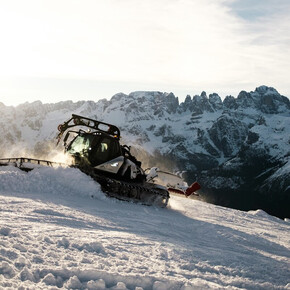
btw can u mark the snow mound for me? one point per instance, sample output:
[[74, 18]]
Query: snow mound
[[48, 181]]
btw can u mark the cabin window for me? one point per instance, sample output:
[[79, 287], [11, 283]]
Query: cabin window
[[105, 150]]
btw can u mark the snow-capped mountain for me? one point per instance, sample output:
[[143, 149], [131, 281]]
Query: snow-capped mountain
[[238, 148]]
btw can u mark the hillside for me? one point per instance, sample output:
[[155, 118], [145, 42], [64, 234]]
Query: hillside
[[57, 229], [238, 148]]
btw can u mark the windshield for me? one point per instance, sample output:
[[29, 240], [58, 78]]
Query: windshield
[[80, 144], [96, 149], [105, 150]]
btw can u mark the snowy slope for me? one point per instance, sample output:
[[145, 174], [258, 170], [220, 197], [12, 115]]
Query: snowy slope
[[57, 229]]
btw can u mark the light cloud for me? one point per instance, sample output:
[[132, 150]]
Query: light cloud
[[183, 46]]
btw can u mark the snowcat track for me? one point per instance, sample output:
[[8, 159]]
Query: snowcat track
[[146, 194]]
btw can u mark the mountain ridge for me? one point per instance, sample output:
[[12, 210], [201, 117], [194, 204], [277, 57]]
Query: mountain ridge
[[224, 144]]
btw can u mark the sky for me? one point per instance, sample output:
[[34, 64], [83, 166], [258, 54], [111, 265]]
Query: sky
[[61, 50]]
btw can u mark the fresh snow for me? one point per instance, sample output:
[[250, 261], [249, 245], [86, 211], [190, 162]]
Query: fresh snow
[[58, 230]]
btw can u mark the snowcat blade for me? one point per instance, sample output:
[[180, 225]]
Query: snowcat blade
[[146, 194]]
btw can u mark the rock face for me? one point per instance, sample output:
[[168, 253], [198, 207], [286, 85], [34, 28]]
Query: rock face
[[238, 148], [228, 134]]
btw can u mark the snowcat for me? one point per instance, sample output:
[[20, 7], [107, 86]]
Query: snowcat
[[98, 153]]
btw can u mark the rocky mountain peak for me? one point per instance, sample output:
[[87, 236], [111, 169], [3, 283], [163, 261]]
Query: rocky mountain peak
[[265, 99], [264, 90], [158, 102], [216, 101], [230, 103], [118, 97]]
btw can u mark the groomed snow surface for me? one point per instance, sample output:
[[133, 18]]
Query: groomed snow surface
[[58, 230]]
